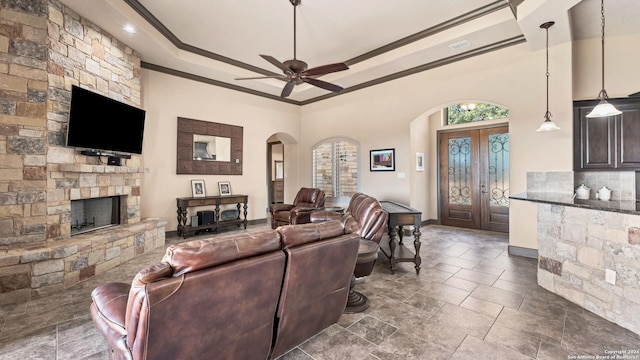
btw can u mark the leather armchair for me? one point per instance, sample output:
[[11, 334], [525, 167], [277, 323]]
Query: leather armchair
[[364, 216], [306, 201]]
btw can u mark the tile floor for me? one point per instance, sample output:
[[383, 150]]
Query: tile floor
[[471, 301]]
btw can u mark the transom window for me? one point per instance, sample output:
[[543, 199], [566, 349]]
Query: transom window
[[472, 112], [335, 169]]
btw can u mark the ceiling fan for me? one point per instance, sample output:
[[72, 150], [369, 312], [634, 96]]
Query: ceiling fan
[[296, 71]]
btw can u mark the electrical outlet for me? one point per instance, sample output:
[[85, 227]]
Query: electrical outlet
[[610, 276]]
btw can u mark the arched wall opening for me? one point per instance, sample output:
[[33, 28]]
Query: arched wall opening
[[282, 147], [424, 130]]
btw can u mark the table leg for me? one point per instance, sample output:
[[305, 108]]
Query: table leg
[[392, 249], [182, 220], [416, 243], [245, 214], [400, 234]]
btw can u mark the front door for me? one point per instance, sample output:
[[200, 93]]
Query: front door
[[474, 178]]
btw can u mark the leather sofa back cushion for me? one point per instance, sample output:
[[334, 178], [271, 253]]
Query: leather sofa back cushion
[[200, 254], [294, 235]]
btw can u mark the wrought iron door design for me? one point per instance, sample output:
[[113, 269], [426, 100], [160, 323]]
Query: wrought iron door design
[[474, 178]]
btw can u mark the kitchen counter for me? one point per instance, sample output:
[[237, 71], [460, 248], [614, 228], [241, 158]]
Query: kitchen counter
[[621, 206]]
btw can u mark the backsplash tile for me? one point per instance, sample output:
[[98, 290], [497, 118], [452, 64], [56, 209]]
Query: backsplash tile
[[621, 183]]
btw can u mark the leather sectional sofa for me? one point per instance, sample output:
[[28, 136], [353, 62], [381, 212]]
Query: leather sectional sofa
[[252, 295]]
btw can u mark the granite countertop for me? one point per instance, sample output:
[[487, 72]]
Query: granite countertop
[[621, 206]]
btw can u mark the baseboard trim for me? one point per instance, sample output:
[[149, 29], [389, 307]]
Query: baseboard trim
[[524, 252]]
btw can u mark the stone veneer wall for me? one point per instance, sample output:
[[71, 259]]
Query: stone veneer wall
[[45, 48], [577, 245]]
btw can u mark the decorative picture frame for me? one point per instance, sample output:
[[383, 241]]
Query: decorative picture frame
[[198, 188], [224, 188], [382, 160], [419, 161]]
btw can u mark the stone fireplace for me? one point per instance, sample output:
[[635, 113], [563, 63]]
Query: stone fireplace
[[48, 48]]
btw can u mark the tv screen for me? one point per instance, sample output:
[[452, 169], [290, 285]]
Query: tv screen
[[97, 122]]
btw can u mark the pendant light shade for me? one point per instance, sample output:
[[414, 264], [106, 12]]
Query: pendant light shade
[[604, 108], [547, 125]]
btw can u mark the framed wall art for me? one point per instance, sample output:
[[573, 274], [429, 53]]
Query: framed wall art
[[419, 161], [382, 160]]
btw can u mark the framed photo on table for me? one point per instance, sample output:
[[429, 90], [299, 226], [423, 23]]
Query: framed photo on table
[[224, 187], [197, 188], [382, 160]]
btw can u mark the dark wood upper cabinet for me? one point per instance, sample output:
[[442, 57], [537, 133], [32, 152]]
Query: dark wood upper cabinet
[[607, 143]]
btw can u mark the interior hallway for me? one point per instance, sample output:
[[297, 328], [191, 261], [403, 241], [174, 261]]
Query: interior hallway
[[471, 301]]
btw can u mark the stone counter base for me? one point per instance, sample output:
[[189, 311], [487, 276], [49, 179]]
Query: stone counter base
[[577, 246], [32, 273]]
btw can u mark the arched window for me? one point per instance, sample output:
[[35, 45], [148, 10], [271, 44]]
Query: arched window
[[471, 112], [335, 169]]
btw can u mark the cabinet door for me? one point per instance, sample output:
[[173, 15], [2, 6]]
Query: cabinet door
[[595, 143], [628, 129]]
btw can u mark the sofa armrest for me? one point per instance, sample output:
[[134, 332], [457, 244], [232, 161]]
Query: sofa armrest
[[281, 207], [108, 311], [301, 210], [110, 301], [324, 215]]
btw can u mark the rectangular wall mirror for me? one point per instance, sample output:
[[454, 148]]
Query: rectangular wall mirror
[[212, 148], [208, 148]]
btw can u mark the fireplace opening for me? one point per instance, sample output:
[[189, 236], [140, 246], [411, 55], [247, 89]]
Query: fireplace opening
[[93, 214]]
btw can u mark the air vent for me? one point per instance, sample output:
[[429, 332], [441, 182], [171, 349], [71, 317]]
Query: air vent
[[459, 45]]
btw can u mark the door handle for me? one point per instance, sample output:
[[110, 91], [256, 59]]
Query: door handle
[[482, 190]]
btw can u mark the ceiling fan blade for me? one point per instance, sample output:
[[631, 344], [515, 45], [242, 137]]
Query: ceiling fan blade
[[288, 88], [325, 69], [277, 63], [262, 77], [322, 84]]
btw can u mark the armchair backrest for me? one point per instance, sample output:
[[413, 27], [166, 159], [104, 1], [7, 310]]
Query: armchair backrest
[[366, 217], [309, 197]]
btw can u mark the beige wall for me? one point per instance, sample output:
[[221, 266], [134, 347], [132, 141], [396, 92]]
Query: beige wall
[[165, 98], [622, 72], [401, 114], [397, 115]]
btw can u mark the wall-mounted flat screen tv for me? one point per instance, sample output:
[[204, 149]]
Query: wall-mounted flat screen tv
[[97, 122]]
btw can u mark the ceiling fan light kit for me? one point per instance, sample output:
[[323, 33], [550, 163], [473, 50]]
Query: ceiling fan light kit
[[297, 72]]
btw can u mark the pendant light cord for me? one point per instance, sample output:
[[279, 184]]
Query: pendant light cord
[[603, 93], [547, 115]]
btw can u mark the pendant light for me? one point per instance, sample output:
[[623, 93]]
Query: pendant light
[[547, 125], [604, 108]]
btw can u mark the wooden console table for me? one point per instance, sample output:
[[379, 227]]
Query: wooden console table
[[186, 202], [400, 215]]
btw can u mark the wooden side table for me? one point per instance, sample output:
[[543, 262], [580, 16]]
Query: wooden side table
[[185, 203], [400, 215]]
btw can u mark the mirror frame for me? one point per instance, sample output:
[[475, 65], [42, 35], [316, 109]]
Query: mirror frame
[[185, 164]]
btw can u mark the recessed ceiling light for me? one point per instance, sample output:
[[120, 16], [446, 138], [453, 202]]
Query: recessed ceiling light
[[130, 29], [459, 45]]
